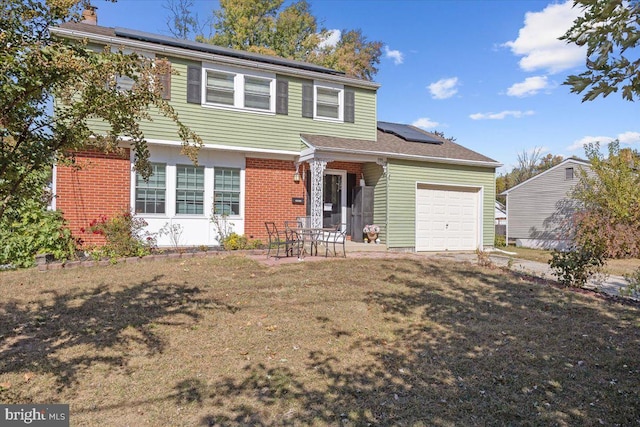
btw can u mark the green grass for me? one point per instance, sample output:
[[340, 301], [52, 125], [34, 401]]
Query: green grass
[[387, 341]]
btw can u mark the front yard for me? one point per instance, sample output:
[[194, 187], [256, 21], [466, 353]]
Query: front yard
[[617, 267], [395, 341]]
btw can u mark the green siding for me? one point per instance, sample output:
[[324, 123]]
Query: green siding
[[402, 179], [373, 175], [254, 130]]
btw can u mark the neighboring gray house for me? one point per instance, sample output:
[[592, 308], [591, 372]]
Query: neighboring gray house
[[537, 209]]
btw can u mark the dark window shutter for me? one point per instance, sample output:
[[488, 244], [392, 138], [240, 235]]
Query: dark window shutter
[[194, 74], [282, 97], [165, 78], [349, 106], [307, 99], [351, 182]]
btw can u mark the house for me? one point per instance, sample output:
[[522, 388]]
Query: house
[[538, 209], [500, 214], [282, 139]]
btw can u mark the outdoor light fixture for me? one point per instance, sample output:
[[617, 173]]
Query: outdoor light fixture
[[296, 175]]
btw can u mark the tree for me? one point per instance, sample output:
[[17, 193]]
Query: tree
[[529, 165], [611, 31], [181, 22], [610, 201], [36, 67], [262, 26]]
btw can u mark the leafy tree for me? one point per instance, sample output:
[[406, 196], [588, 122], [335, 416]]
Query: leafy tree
[[611, 31], [36, 67], [262, 26], [610, 196]]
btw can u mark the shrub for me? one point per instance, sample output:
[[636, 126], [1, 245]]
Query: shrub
[[500, 241], [30, 230], [124, 235], [234, 242], [633, 283], [576, 266], [621, 239]]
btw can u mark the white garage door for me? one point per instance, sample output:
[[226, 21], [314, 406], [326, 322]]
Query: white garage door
[[446, 218]]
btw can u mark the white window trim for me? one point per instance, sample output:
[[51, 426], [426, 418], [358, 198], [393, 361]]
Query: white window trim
[[325, 85], [238, 93]]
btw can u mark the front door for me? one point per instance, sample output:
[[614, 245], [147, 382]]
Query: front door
[[334, 195]]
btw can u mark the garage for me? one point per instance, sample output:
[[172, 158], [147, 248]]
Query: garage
[[447, 218]]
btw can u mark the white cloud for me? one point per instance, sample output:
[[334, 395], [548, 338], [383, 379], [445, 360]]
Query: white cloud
[[603, 140], [501, 115], [333, 37], [538, 42], [530, 86], [396, 55], [629, 138], [425, 123], [626, 138], [444, 88]]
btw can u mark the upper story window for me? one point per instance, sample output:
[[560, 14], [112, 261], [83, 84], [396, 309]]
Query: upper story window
[[328, 103], [257, 93], [228, 87], [568, 174], [220, 88], [151, 194]]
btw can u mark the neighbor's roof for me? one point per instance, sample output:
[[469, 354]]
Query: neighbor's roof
[[392, 146], [178, 47], [575, 160]]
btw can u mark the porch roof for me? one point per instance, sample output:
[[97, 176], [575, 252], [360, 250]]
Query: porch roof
[[391, 146]]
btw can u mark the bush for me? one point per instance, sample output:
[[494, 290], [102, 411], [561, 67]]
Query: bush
[[234, 242], [576, 266], [633, 281], [124, 235], [500, 241], [621, 239], [30, 230]]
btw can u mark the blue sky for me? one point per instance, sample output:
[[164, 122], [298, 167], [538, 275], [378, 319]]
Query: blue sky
[[486, 72]]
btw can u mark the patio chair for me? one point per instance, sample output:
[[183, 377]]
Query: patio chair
[[335, 237], [292, 237], [275, 240]]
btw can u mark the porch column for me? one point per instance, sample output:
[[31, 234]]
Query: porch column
[[317, 199]]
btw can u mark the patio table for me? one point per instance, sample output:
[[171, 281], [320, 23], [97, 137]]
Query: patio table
[[309, 235]]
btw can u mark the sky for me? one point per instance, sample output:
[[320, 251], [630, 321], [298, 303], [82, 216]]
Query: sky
[[488, 73]]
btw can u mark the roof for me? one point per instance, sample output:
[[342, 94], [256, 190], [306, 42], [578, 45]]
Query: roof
[[575, 160], [393, 146], [121, 35]]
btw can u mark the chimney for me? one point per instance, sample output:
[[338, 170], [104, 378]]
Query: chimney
[[89, 15]]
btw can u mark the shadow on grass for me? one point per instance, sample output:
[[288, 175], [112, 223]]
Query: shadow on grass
[[470, 348], [66, 333]]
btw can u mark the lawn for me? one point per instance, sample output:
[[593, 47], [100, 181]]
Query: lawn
[[392, 341], [617, 267]]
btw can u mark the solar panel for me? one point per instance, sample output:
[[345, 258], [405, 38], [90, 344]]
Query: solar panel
[[407, 133]]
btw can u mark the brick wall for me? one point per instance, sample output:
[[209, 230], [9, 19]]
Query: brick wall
[[269, 188], [355, 168], [100, 185]]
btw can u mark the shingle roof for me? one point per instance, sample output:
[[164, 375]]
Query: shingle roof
[[195, 46], [393, 146]]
